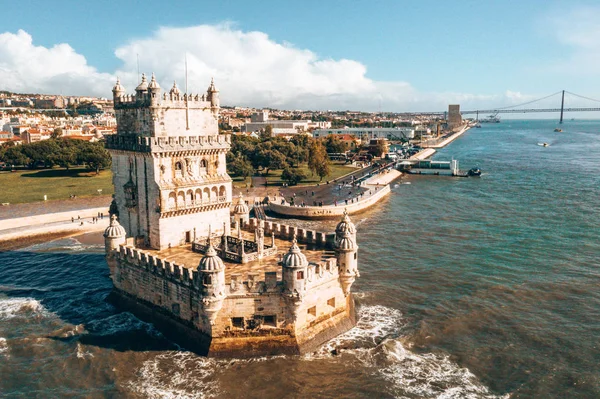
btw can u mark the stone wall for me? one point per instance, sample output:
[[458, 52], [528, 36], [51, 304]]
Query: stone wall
[[286, 232], [329, 211]]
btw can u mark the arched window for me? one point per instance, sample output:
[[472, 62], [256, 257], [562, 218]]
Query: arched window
[[206, 196], [207, 279], [198, 196], [189, 197], [180, 199], [171, 201], [202, 166], [214, 194], [222, 194], [178, 169]]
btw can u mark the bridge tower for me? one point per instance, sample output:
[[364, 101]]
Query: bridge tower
[[562, 106]]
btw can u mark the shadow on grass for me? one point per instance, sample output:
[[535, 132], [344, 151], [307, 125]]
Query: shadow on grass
[[61, 173]]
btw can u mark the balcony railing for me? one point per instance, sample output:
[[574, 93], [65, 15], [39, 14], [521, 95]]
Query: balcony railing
[[195, 204]]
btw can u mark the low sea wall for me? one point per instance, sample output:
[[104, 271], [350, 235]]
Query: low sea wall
[[330, 211]]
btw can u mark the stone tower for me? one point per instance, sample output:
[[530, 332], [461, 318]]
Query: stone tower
[[169, 164]]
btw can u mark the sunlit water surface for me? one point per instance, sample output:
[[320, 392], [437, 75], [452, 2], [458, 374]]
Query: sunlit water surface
[[471, 288]]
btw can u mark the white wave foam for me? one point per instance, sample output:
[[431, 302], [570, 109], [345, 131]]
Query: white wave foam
[[3, 345], [376, 342], [178, 375], [82, 354], [121, 322], [373, 325], [428, 375], [12, 308]]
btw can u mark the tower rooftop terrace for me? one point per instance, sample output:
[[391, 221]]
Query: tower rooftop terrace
[[184, 256]]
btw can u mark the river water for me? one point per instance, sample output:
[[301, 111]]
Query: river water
[[471, 288]]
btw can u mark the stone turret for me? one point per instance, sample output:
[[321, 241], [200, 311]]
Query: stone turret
[[142, 88], [154, 91], [345, 225], [118, 90], [175, 92], [294, 270], [346, 252], [212, 95], [212, 280], [241, 212], [114, 236]]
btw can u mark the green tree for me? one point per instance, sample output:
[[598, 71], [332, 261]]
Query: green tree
[[318, 161], [292, 176], [56, 133], [267, 133], [240, 166], [14, 156], [94, 156], [334, 145]]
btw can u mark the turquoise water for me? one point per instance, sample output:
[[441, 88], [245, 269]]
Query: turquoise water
[[501, 272], [470, 288]]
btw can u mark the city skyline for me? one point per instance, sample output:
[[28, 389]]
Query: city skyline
[[388, 56]]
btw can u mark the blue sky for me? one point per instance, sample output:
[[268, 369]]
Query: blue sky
[[390, 55]]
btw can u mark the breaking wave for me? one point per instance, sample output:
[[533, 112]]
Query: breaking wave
[[377, 342], [13, 308], [3, 345], [176, 374]]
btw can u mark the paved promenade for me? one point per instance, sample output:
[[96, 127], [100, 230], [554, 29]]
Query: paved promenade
[[52, 219]]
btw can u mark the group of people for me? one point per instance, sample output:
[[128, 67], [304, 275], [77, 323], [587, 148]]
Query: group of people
[[94, 218]]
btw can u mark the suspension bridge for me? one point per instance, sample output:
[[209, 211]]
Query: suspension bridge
[[516, 109]]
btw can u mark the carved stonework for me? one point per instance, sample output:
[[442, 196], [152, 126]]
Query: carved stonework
[[130, 191]]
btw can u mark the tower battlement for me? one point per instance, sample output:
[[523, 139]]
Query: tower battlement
[[150, 113]]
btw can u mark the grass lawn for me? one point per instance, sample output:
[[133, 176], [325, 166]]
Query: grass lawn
[[337, 169], [240, 182], [31, 185]]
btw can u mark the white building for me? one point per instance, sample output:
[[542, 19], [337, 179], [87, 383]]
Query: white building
[[396, 133], [260, 120]]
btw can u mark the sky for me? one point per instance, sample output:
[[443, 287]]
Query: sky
[[378, 55]]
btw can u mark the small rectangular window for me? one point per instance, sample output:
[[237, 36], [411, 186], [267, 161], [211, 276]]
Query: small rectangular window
[[312, 311], [331, 302], [176, 309], [300, 275], [269, 321], [237, 322]]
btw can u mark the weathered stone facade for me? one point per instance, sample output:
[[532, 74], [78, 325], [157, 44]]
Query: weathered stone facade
[[168, 165], [173, 202]]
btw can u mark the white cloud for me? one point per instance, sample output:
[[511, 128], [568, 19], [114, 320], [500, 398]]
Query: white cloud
[[578, 30], [25, 67], [249, 69]]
